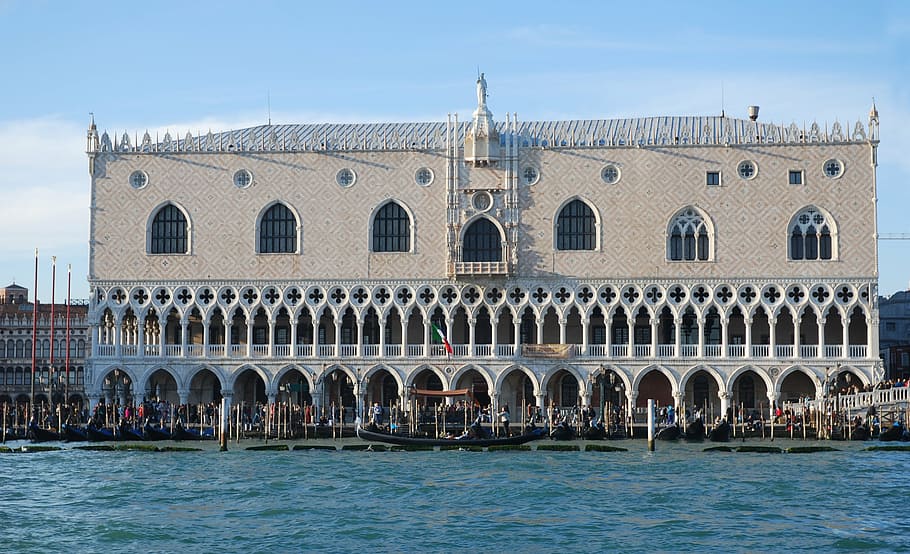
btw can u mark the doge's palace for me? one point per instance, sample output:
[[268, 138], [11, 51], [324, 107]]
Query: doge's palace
[[701, 261]]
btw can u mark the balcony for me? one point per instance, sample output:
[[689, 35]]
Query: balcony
[[487, 351]]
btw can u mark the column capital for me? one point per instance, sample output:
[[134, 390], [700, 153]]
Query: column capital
[[227, 393]]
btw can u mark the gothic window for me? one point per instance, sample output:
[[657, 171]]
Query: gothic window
[[278, 231], [482, 242], [575, 227], [811, 236], [689, 238], [169, 231], [391, 229]]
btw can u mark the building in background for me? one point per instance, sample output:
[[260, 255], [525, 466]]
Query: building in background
[[703, 261], [895, 334], [52, 382]]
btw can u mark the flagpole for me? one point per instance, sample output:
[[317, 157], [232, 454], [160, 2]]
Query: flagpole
[[69, 282], [50, 375], [34, 336]]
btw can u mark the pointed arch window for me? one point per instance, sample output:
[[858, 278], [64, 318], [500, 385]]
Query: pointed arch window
[[168, 232], [811, 236], [575, 227], [391, 229], [278, 231], [482, 242], [689, 239]]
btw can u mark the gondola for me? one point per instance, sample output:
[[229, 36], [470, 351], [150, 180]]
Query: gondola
[[183, 434], [860, 433], [74, 433], [894, 433], [562, 432], [363, 434], [721, 432], [99, 434], [156, 433], [39, 434], [669, 433], [127, 433], [695, 431]]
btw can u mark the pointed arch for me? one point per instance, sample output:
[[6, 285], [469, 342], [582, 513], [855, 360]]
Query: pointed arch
[[577, 226], [391, 227], [812, 235], [278, 229], [482, 241], [168, 230], [690, 236]]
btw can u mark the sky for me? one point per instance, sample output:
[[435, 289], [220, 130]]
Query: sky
[[205, 65]]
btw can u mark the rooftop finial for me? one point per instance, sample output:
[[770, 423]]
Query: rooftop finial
[[873, 113]]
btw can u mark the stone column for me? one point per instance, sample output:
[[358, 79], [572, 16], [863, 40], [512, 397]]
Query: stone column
[[249, 336], [585, 323], [205, 337], [494, 342], [772, 338], [140, 338], [701, 336], [845, 338], [655, 327], [272, 322], [118, 340], [821, 336], [725, 405], [294, 337], [748, 323], [539, 323], [608, 337], [358, 346], [184, 336], [563, 322], [472, 328], [404, 336], [382, 326], [228, 325], [184, 396], [677, 335]]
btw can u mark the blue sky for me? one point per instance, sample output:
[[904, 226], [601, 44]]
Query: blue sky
[[218, 65]]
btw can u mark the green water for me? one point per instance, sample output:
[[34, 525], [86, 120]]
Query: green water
[[678, 498]]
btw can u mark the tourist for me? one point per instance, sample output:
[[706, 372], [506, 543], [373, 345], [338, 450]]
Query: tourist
[[504, 419], [377, 414]]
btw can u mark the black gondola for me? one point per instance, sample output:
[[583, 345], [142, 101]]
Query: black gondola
[[896, 432], [669, 433], [721, 432], [562, 432], [99, 434], [127, 433], [860, 433], [74, 433], [156, 433], [39, 434], [183, 434], [695, 431], [363, 434]]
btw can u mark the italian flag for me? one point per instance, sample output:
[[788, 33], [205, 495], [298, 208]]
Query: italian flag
[[442, 336]]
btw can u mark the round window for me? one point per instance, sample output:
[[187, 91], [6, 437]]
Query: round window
[[424, 176], [530, 175], [833, 169], [138, 179], [345, 177], [242, 178], [747, 169], [482, 201], [610, 174]]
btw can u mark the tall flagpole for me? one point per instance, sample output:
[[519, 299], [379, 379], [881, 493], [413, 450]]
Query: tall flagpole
[[34, 336], [50, 375], [69, 281]]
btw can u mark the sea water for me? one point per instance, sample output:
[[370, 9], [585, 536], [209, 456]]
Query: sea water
[[678, 498]]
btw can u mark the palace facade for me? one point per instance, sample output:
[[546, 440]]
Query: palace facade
[[703, 261]]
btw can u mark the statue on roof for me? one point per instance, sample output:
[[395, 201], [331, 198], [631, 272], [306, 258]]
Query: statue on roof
[[481, 91]]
